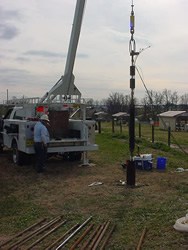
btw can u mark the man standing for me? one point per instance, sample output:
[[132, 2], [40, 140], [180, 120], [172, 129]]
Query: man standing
[[41, 139]]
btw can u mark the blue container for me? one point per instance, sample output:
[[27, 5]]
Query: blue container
[[161, 163], [147, 164], [139, 164]]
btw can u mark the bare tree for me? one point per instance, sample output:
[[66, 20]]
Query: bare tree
[[117, 103], [158, 98], [103, 102], [90, 101], [184, 99], [174, 98]]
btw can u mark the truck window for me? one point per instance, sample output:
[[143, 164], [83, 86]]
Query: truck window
[[7, 115], [19, 115]]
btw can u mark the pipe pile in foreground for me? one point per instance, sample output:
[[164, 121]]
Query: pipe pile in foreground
[[57, 233]]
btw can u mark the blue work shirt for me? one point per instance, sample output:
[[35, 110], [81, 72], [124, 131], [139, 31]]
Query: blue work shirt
[[40, 131]]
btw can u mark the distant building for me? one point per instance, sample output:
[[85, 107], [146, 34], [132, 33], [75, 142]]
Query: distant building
[[100, 116], [176, 120], [121, 117]]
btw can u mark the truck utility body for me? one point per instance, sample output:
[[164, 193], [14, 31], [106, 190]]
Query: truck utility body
[[68, 136]]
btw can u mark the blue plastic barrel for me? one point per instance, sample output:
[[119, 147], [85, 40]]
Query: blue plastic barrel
[[161, 163]]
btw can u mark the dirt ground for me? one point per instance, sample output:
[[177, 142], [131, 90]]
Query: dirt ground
[[64, 189]]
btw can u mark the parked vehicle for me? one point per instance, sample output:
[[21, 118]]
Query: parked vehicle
[[68, 136]]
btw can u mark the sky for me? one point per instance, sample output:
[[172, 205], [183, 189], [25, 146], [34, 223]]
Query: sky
[[35, 35]]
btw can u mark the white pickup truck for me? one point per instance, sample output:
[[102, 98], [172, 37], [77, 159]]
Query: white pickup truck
[[70, 138]]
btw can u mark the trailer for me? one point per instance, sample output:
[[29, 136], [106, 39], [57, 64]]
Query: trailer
[[69, 136]]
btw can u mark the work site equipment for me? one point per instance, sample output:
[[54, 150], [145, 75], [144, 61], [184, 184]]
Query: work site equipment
[[131, 173], [70, 135]]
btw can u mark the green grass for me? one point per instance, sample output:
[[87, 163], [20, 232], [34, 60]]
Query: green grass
[[160, 199], [118, 144], [12, 216], [146, 132]]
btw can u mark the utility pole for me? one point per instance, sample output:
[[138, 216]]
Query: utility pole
[[131, 171], [7, 96]]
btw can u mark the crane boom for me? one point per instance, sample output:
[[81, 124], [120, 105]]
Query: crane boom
[[65, 86]]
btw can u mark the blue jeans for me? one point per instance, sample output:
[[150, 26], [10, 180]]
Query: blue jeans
[[41, 156]]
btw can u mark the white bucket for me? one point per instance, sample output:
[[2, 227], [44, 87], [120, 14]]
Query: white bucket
[[146, 156]]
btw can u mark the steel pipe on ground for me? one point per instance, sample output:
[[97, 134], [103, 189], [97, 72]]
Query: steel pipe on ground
[[101, 236], [22, 232], [36, 232], [62, 237], [46, 235], [90, 238], [74, 233], [81, 237], [107, 238], [141, 239], [97, 236]]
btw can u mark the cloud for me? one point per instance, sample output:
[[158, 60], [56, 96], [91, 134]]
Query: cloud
[[45, 53], [8, 31], [35, 35], [82, 55], [117, 36], [9, 15], [12, 76], [12, 70], [22, 59]]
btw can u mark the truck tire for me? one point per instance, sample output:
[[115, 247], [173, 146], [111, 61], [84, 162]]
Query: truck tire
[[17, 156], [75, 156], [1, 144], [78, 156], [65, 156]]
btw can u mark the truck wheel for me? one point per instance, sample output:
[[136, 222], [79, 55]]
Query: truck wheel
[[65, 157], [78, 156], [17, 156], [71, 156], [75, 156], [1, 144]]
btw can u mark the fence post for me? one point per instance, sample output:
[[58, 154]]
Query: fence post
[[169, 132], [152, 133], [120, 126], [99, 126], [112, 125], [139, 129]]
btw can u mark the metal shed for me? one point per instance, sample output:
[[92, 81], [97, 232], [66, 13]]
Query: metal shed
[[100, 116], [121, 116], [169, 119]]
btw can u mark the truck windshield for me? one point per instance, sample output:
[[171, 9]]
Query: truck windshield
[[7, 115]]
